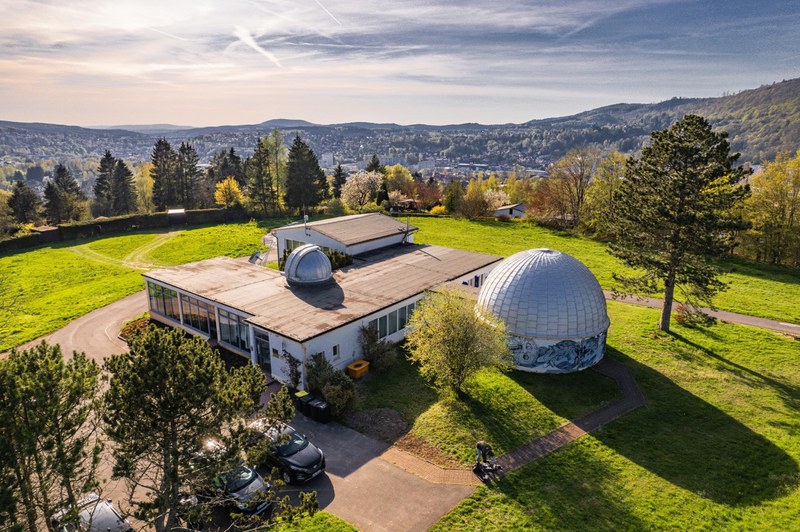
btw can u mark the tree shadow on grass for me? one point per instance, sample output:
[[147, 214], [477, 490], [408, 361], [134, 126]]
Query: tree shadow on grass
[[697, 446], [789, 393], [576, 488]]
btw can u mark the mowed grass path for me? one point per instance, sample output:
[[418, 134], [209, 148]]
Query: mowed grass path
[[756, 289], [717, 448], [55, 284]]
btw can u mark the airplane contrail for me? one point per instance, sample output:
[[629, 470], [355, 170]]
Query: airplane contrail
[[325, 9], [243, 35], [165, 33]]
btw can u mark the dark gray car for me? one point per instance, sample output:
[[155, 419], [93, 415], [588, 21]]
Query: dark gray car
[[298, 459]]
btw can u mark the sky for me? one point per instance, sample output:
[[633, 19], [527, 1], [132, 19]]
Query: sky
[[204, 62]]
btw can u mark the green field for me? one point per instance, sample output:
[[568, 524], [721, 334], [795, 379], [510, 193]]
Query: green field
[[756, 289], [52, 285], [507, 410], [716, 448]]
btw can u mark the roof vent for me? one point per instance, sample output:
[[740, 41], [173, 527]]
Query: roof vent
[[308, 266]]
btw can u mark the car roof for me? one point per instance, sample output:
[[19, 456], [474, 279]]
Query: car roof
[[100, 512]]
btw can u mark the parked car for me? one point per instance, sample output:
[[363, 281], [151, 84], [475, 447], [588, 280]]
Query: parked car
[[241, 485], [298, 459], [95, 514]]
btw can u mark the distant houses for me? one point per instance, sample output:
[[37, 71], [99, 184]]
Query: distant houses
[[517, 210]]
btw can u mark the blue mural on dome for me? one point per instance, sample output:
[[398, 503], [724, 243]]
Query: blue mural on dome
[[563, 357]]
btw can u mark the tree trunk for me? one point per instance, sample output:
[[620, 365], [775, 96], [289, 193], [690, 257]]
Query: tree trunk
[[666, 310]]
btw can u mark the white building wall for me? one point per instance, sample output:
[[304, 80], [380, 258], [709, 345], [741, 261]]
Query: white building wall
[[380, 243], [309, 236]]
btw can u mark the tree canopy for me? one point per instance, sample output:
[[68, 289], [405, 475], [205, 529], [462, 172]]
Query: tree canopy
[[677, 209], [450, 341], [306, 185]]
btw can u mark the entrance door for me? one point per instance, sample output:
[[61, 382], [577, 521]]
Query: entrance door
[[262, 352]]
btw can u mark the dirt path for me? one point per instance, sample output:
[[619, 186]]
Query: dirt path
[[135, 260]]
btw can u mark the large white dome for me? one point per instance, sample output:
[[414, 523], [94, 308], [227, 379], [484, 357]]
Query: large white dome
[[541, 293]]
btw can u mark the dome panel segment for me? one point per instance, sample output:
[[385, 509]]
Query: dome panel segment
[[308, 265]]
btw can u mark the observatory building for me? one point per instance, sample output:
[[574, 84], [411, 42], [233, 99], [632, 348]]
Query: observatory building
[[266, 315], [553, 308]]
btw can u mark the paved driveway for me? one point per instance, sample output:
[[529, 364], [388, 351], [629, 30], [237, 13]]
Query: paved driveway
[[369, 492]]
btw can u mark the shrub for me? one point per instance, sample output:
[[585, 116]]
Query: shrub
[[318, 372], [438, 210], [292, 373], [339, 392], [336, 207], [135, 327], [693, 317], [381, 355], [504, 218]]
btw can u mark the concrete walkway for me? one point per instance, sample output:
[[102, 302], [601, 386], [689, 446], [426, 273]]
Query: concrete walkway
[[722, 315]]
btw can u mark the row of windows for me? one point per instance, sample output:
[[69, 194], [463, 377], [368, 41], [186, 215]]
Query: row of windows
[[199, 315], [291, 245], [164, 301], [476, 281], [233, 330], [392, 322]]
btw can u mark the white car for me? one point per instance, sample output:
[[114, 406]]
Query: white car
[[95, 514]]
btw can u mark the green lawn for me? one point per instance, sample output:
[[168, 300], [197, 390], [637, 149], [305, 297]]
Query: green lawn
[[717, 447], [756, 289], [55, 284], [507, 410]]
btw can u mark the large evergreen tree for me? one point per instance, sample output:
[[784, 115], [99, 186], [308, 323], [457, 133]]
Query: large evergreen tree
[[277, 160], [64, 199], [260, 182], [122, 192], [188, 175], [163, 172], [102, 185], [305, 180], [24, 203], [163, 397], [48, 431], [339, 179], [676, 210]]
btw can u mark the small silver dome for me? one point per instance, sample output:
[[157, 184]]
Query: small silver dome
[[545, 294], [308, 265]]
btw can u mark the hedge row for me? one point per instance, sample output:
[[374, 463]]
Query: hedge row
[[121, 224]]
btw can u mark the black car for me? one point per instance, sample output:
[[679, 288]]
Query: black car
[[94, 514], [298, 459]]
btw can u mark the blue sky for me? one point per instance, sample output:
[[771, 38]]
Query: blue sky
[[204, 62]]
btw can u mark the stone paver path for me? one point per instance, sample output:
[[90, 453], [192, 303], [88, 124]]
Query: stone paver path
[[631, 398]]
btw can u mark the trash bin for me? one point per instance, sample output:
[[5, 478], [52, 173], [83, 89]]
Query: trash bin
[[303, 399], [357, 368], [320, 410]]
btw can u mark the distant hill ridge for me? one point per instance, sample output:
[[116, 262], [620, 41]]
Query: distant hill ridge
[[760, 122]]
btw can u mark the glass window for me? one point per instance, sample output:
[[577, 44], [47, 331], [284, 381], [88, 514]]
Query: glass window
[[373, 324], [393, 322], [410, 310], [336, 352], [262, 350], [401, 317], [198, 315], [233, 330], [382, 326]]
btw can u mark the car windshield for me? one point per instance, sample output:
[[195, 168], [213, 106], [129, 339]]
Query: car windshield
[[239, 478], [294, 443]]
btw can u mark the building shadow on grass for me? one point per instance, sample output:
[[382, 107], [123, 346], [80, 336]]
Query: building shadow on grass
[[697, 446]]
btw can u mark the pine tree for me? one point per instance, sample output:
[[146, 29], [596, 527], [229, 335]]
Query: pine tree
[[24, 203], [305, 180], [122, 192], [163, 397], [676, 210], [48, 429], [374, 165], [188, 175], [260, 183], [339, 179], [163, 172], [102, 186], [63, 197]]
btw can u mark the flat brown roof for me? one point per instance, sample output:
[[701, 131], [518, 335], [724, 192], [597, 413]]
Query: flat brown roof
[[375, 281], [356, 228]]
